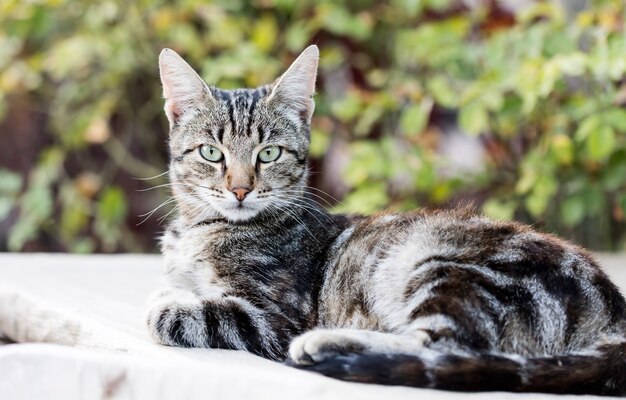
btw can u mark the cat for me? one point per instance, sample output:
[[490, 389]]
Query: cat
[[438, 299]]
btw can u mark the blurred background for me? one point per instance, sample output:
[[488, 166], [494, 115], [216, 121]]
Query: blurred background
[[516, 107]]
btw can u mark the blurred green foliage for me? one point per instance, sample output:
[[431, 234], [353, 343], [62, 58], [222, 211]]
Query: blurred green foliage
[[541, 89]]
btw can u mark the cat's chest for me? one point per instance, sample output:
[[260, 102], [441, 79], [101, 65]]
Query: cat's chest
[[189, 264], [220, 260]]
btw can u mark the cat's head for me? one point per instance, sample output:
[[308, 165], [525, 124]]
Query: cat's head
[[238, 153]]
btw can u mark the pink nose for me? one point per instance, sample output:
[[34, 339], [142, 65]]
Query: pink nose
[[241, 193]]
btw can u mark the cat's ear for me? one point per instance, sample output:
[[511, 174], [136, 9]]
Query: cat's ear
[[295, 88], [183, 89]]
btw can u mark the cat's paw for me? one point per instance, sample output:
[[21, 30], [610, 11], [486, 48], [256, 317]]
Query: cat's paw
[[174, 318], [319, 345]]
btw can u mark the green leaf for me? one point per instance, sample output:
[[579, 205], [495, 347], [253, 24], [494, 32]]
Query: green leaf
[[73, 219], [82, 246], [425, 178], [298, 35], [536, 204], [587, 126], [367, 161], [473, 118], [415, 117], [347, 108], [412, 8], [563, 148], [595, 200], [340, 21], [438, 5], [24, 230], [442, 91], [366, 199], [111, 212], [526, 181], [433, 44], [527, 82], [600, 143], [37, 203], [616, 117], [543, 191], [6, 205], [367, 118], [572, 64], [112, 206], [573, 210], [499, 209], [10, 182], [320, 141], [265, 32], [614, 174]]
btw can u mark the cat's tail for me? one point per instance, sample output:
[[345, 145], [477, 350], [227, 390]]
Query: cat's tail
[[601, 371]]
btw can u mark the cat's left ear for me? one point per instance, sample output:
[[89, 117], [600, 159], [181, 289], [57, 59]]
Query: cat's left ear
[[183, 89], [295, 88]]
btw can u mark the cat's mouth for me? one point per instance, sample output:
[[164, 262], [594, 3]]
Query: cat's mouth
[[240, 211], [241, 205], [232, 209]]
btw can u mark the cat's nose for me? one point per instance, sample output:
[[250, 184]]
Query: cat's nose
[[241, 193]]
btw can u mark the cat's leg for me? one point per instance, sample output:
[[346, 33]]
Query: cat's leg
[[178, 317], [163, 308], [321, 344]]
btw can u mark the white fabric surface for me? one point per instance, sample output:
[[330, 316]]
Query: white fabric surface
[[95, 304]]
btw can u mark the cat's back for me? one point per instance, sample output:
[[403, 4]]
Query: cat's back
[[385, 267], [423, 236]]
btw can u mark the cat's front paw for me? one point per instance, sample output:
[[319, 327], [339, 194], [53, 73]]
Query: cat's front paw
[[175, 318], [319, 345]]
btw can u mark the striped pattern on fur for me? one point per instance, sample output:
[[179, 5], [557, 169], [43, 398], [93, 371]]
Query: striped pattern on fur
[[448, 300]]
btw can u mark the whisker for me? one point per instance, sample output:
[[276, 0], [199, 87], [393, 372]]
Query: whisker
[[305, 201], [168, 201], [323, 192], [328, 204], [152, 177], [155, 187], [304, 207], [298, 220], [162, 218], [150, 213], [308, 189]]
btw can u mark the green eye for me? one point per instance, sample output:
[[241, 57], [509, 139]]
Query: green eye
[[210, 153], [269, 154]]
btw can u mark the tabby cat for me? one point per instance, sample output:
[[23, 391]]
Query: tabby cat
[[436, 299]]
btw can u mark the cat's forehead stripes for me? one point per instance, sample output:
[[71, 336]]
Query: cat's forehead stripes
[[240, 105]]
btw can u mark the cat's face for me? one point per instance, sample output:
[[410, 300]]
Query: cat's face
[[238, 153]]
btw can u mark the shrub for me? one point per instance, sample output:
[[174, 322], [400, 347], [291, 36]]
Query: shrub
[[537, 94]]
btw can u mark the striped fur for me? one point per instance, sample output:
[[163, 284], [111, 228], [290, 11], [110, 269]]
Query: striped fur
[[437, 299]]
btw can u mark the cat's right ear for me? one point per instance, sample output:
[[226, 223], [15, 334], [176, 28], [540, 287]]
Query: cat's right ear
[[295, 88], [183, 89]]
